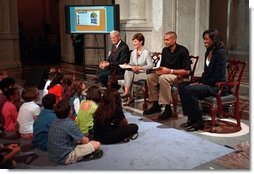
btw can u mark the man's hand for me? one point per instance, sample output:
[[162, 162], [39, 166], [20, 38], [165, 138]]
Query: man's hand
[[103, 64], [162, 70]]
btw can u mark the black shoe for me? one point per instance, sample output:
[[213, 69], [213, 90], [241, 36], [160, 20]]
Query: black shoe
[[95, 155], [186, 124], [154, 109], [166, 114], [195, 127]]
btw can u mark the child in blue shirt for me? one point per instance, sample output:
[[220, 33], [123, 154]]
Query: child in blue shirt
[[66, 143], [42, 124]]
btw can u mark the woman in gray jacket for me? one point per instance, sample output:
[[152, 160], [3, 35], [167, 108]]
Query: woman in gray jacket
[[140, 60]]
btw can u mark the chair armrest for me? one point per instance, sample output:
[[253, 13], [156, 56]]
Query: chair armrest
[[221, 86], [229, 84]]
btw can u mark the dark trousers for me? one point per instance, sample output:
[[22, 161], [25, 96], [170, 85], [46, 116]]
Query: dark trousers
[[190, 96], [103, 76], [78, 53], [119, 134]]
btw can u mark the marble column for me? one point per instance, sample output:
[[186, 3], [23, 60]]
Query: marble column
[[9, 35], [137, 12], [243, 27], [124, 9]]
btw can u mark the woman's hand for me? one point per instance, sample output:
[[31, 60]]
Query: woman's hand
[[136, 68]]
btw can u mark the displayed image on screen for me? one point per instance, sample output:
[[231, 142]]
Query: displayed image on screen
[[92, 19]]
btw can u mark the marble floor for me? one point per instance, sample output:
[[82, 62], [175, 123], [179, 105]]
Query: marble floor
[[239, 140]]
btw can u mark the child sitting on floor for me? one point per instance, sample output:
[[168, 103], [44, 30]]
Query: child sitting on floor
[[87, 109], [10, 110], [110, 123], [42, 124], [78, 87], [66, 143], [28, 112]]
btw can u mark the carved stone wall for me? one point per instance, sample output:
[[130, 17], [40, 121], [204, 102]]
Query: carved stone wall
[[9, 35]]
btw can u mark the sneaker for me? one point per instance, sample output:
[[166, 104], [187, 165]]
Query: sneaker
[[133, 137], [95, 155], [154, 109]]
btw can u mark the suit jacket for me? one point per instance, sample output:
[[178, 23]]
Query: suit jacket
[[120, 56], [216, 70], [143, 60]]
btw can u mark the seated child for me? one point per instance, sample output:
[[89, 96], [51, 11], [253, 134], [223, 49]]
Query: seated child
[[78, 87], [28, 112], [7, 154], [66, 143], [87, 108], [5, 84], [56, 87], [51, 74], [10, 110], [42, 124], [110, 123]]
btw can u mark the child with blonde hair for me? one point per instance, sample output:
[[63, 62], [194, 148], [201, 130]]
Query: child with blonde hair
[[28, 112]]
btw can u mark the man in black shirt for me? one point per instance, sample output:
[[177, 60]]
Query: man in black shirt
[[175, 62]]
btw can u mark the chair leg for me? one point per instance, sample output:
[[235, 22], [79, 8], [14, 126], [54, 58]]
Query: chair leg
[[212, 114], [175, 99], [237, 114], [145, 94]]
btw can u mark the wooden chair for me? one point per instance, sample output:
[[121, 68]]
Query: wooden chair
[[141, 85], [190, 77], [219, 105]]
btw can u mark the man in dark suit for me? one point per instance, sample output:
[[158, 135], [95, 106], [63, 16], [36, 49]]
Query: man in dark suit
[[119, 55]]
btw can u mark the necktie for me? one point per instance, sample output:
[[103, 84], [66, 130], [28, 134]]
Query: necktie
[[113, 49]]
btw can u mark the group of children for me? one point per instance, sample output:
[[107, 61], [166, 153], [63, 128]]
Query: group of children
[[68, 120]]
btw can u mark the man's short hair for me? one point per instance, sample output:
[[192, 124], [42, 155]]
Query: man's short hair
[[171, 33], [115, 32]]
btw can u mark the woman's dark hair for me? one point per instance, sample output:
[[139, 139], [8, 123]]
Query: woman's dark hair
[[6, 83], [10, 92], [48, 101], [110, 104], [77, 87], [62, 109], [140, 37], [214, 35], [93, 93], [57, 79]]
